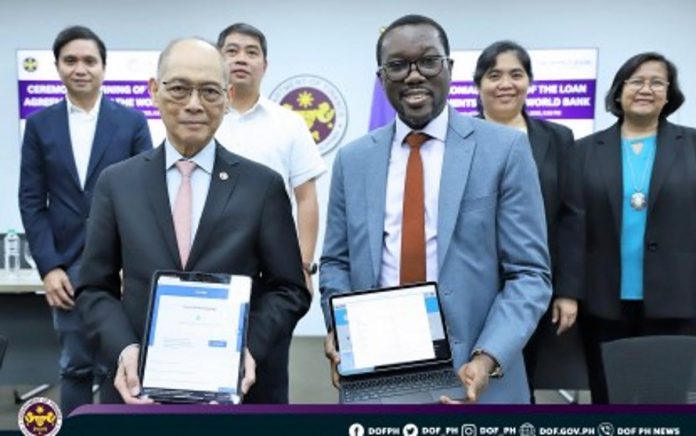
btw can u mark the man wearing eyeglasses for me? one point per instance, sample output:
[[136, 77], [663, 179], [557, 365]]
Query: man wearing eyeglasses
[[441, 197], [263, 131], [192, 205]]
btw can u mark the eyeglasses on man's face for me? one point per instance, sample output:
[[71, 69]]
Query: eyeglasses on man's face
[[428, 66], [637, 83], [181, 92]]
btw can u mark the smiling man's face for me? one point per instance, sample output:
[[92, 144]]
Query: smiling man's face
[[417, 99]]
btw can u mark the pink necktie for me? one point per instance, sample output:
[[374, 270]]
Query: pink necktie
[[182, 210]]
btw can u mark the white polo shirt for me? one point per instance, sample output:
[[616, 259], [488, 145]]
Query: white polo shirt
[[276, 137]]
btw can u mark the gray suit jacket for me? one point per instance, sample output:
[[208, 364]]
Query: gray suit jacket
[[494, 275]]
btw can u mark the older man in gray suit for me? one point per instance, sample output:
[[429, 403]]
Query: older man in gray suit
[[439, 196]]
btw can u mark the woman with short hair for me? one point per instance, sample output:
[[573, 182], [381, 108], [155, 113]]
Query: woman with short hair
[[630, 240]]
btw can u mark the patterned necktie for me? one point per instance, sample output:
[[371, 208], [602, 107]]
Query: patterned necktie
[[413, 217], [182, 210]]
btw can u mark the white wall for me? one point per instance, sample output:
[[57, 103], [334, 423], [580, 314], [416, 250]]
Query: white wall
[[336, 40]]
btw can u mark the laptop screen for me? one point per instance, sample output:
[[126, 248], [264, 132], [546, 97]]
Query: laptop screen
[[389, 328]]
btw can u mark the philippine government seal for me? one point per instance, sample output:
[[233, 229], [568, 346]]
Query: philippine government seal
[[40, 417], [319, 103]]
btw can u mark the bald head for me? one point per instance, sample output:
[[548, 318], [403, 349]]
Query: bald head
[[191, 92], [184, 48]]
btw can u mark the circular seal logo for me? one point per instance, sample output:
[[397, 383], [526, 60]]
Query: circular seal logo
[[319, 103], [30, 64], [40, 416]]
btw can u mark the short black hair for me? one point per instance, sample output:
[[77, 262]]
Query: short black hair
[[244, 29], [487, 59], [675, 96], [69, 34], [413, 20]]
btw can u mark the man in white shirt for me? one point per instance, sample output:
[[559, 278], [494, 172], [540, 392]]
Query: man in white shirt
[[65, 148], [265, 132]]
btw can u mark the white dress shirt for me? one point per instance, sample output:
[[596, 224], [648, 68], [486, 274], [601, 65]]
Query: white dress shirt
[[200, 179], [82, 126], [432, 154]]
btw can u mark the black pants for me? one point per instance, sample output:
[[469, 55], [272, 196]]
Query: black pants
[[633, 323], [78, 365], [531, 353]]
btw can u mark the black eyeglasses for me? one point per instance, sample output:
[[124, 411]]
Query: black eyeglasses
[[428, 66], [181, 92]]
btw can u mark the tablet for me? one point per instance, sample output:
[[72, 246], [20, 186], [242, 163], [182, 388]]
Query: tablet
[[193, 347]]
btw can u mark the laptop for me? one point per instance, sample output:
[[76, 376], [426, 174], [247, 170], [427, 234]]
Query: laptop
[[393, 346], [195, 335]]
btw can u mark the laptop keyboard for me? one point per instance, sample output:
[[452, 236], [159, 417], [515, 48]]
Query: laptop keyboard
[[381, 387]]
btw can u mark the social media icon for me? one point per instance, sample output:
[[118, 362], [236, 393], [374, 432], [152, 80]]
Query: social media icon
[[410, 430], [606, 429], [469, 430], [356, 429], [527, 429]]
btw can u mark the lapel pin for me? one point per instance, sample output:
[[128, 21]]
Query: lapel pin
[[223, 175]]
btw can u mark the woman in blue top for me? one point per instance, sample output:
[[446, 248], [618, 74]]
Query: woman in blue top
[[629, 241]]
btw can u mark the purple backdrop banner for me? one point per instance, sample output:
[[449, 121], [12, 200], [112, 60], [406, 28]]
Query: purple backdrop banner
[[35, 95], [547, 99]]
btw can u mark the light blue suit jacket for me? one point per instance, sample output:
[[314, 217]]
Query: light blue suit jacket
[[494, 276]]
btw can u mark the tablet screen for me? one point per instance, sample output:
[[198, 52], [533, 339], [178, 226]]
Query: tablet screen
[[196, 331]]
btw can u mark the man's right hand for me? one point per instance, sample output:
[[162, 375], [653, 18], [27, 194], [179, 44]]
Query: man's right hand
[[334, 358], [127, 382], [59, 290]]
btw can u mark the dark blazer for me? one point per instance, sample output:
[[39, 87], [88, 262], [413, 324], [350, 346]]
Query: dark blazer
[[552, 145], [246, 228], [53, 204], [591, 260]]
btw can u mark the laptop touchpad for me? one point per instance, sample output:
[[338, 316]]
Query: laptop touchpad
[[412, 398], [455, 393]]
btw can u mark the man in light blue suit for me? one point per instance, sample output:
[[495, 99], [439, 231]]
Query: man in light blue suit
[[65, 148], [479, 222]]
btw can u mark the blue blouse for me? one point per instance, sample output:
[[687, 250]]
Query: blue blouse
[[637, 171]]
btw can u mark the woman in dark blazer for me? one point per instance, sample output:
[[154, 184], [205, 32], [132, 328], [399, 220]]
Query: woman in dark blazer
[[503, 75], [631, 234]]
